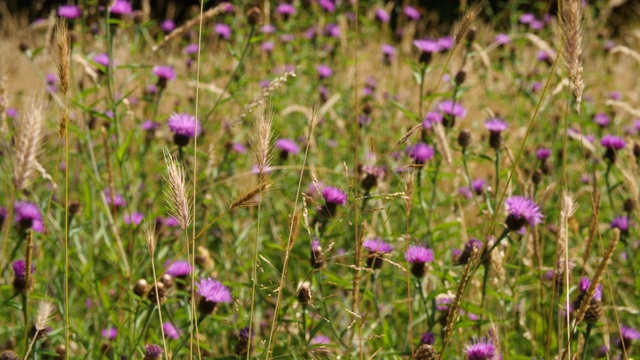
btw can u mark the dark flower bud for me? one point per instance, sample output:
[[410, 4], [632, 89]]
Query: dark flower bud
[[304, 293], [495, 140], [74, 208], [61, 350], [158, 295], [206, 307], [24, 47], [141, 287], [629, 205], [9, 355], [636, 151], [537, 176], [254, 16], [461, 76], [464, 138], [167, 280], [426, 352], [317, 256]]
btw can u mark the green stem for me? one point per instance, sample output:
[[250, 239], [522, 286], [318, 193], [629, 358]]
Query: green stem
[[150, 313], [184, 341], [608, 184], [497, 166], [587, 336]]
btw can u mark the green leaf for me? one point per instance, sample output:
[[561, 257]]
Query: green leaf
[[123, 148]]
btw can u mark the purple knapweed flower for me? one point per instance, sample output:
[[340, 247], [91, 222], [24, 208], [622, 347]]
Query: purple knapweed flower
[[286, 10], [443, 302], [427, 45], [268, 46], [28, 216], [629, 335], [382, 15], [495, 125], [419, 254], [421, 152], [543, 154], [324, 71], [101, 59], [377, 246], [536, 25], [286, 38], [170, 331], [478, 186], [191, 49], [135, 218], [179, 269], [432, 118], [20, 269], [168, 25], [445, 43], [334, 195], [12, 112], [268, 29], [602, 119], [286, 147], [184, 127], [120, 8], [613, 142], [320, 340], [481, 350], [465, 191], [327, 5], [388, 53], [521, 211], [222, 30], [69, 12], [584, 286], [109, 333], [428, 338], [502, 39], [615, 95], [412, 13], [451, 110], [621, 223], [332, 30], [214, 291], [527, 18], [164, 74], [116, 199], [152, 352], [150, 125]]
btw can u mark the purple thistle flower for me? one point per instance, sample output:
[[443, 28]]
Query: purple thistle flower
[[116, 200], [536, 25], [443, 302], [120, 7], [268, 29], [613, 142], [168, 25], [69, 12], [286, 38], [171, 222], [465, 191], [502, 39], [152, 352], [427, 46], [445, 43], [584, 286], [287, 146], [20, 268], [150, 125], [615, 95], [268, 46], [222, 30], [601, 119], [214, 291], [286, 9], [478, 186], [621, 223], [377, 246], [327, 5], [419, 254], [543, 154], [428, 338], [629, 333], [388, 53], [334, 195], [170, 331], [164, 72], [12, 112], [101, 59], [421, 152], [451, 108], [412, 13], [495, 125], [178, 268], [191, 49], [324, 71], [431, 119], [382, 16], [522, 210], [527, 18], [481, 350], [184, 127], [28, 216], [135, 218], [544, 56], [320, 340], [109, 333]]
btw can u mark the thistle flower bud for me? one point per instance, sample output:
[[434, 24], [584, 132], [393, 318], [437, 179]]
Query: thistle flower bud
[[426, 352], [255, 16], [464, 138], [461, 76], [74, 208], [158, 295], [317, 259], [9, 355], [304, 293], [141, 287], [629, 205], [167, 280]]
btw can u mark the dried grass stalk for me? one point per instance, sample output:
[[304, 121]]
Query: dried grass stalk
[[409, 178], [45, 310], [178, 32], [626, 51], [266, 92], [567, 209], [571, 29], [248, 198], [177, 193], [261, 142], [150, 238], [28, 141], [593, 227], [64, 55], [461, 28]]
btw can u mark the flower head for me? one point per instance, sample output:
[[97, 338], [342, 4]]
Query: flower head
[[621, 223], [170, 331], [584, 286], [481, 350], [377, 246], [288, 146], [178, 268], [28, 216], [135, 218], [223, 30], [109, 333], [152, 352], [432, 118], [164, 72], [115, 199], [69, 12], [120, 7], [382, 15], [421, 152], [20, 268], [324, 71], [168, 25], [601, 119], [442, 302], [543, 153], [478, 185], [412, 13], [613, 142], [184, 124], [527, 18], [449, 107], [445, 43], [101, 59], [522, 210], [286, 9], [427, 46], [320, 340], [214, 291], [502, 39], [419, 254], [428, 338], [334, 195], [495, 125]]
